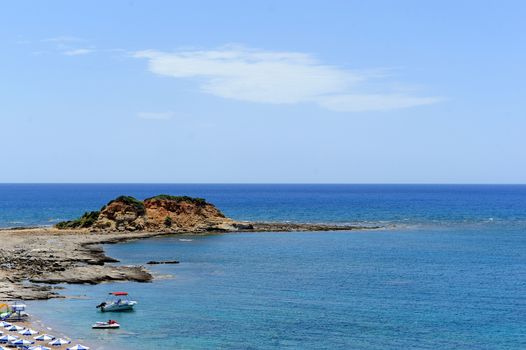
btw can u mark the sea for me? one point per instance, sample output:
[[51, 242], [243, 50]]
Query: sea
[[447, 270]]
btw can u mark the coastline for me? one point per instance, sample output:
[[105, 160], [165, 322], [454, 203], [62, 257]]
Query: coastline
[[32, 260], [37, 258], [45, 257]]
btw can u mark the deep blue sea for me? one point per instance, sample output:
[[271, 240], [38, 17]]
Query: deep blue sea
[[448, 272]]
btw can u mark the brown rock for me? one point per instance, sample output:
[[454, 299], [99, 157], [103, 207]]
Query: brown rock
[[163, 213]]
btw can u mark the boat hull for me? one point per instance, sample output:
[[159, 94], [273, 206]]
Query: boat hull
[[117, 307], [105, 326]]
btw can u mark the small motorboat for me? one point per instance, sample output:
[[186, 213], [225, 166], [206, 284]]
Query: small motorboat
[[120, 302], [111, 324]]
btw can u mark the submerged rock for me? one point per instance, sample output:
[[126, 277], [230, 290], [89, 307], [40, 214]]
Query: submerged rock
[[94, 275], [154, 262]]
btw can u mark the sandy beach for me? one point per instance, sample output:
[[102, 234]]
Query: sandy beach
[[37, 325]]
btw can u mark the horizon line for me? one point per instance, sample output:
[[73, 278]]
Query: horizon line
[[271, 183]]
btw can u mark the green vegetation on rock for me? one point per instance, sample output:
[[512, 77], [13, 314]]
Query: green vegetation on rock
[[129, 200], [86, 220], [123, 204], [188, 199]]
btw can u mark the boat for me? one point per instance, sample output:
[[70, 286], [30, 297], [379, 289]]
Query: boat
[[111, 324], [120, 302]]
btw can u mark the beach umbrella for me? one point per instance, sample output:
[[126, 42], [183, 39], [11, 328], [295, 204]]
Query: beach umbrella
[[59, 342], [7, 338], [78, 347], [28, 331], [14, 328], [22, 342], [4, 324], [39, 347], [44, 337]]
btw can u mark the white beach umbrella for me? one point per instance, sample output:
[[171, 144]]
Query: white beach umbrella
[[22, 342], [28, 331], [39, 347], [4, 324], [14, 328], [78, 347], [44, 337], [7, 338], [59, 342]]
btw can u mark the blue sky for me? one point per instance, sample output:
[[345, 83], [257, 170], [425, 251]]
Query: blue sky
[[263, 91]]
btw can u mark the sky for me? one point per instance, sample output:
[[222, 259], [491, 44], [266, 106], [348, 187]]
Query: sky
[[263, 91]]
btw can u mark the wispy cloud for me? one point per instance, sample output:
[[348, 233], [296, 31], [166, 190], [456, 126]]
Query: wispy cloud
[[279, 77], [156, 115], [63, 39], [78, 52], [373, 102], [69, 45]]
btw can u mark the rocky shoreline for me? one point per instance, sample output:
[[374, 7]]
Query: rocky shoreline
[[33, 260]]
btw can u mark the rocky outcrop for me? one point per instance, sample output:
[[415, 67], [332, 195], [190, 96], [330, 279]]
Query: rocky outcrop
[[124, 213], [183, 214], [44, 257], [163, 213], [299, 227], [177, 214], [94, 275]]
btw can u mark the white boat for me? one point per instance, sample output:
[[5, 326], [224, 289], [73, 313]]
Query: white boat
[[111, 324], [120, 302]]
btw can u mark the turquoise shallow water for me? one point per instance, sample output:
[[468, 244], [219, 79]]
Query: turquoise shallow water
[[417, 289], [450, 275]]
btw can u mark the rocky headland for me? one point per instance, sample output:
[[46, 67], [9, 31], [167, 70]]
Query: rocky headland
[[33, 260]]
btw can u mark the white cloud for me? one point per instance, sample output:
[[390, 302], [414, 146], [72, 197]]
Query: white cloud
[[78, 52], [377, 102], [156, 115], [62, 39], [69, 45], [278, 77]]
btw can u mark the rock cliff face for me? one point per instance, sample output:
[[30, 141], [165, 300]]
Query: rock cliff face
[[124, 213], [182, 213], [163, 213]]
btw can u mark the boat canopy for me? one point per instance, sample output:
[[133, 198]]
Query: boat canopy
[[119, 293]]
